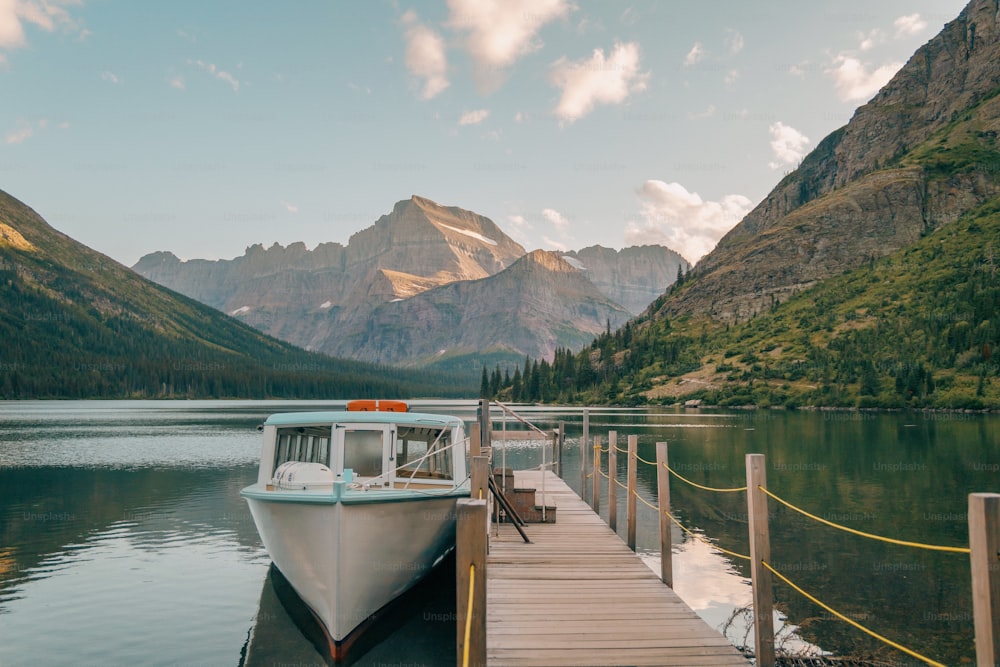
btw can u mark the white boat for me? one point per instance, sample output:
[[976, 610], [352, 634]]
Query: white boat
[[355, 507]]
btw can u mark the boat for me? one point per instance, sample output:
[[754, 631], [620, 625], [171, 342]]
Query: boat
[[355, 507]]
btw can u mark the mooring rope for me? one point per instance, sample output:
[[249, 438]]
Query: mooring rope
[[890, 540], [898, 647]]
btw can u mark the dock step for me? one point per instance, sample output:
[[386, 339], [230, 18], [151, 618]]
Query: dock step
[[527, 501]]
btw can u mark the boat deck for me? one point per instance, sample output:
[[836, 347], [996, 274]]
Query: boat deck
[[577, 596]]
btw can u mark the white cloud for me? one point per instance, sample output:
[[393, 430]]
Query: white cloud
[[787, 144], [731, 77], [681, 220], [707, 113], [220, 74], [474, 117], [177, 82], [871, 40], [557, 219], [734, 41], [19, 134], [856, 81], [520, 117], [598, 80], [499, 33], [425, 56], [110, 77], [908, 25], [291, 208], [695, 55], [45, 14]]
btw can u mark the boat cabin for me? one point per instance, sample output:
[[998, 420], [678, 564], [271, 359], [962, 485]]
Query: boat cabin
[[368, 449]]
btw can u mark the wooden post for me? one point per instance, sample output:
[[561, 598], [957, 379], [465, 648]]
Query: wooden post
[[480, 477], [486, 437], [760, 550], [584, 454], [475, 441], [596, 503], [984, 547], [663, 495], [559, 448], [470, 570], [633, 445], [612, 478]]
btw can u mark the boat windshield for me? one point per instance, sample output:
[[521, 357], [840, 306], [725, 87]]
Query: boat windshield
[[363, 452], [310, 444], [411, 448]]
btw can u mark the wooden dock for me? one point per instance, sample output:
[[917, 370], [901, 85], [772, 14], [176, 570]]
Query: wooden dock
[[578, 596]]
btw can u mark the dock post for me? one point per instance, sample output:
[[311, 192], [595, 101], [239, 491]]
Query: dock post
[[470, 566], [485, 435], [475, 440], [663, 494], [760, 552], [480, 477], [984, 548], [596, 503], [633, 444], [612, 479], [584, 454]]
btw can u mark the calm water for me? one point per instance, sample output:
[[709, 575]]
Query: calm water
[[123, 539]]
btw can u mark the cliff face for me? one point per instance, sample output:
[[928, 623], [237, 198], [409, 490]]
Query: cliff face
[[424, 281], [918, 155], [632, 277]]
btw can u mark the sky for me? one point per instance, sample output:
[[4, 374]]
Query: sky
[[204, 127]]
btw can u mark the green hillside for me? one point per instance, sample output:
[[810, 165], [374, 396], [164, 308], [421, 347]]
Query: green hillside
[[919, 328], [76, 324]]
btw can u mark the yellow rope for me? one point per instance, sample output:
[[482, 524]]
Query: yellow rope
[[619, 449], [649, 463], [468, 614], [699, 537], [621, 485], [836, 613], [647, 503], [699, 486], [603, 474], [917, 545]]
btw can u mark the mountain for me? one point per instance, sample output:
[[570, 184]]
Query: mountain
[[354, 301], [76, 324], [916, 157], [866, 278], [538, 304]]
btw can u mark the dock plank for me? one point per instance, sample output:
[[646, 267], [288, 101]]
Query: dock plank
[[578, 596]]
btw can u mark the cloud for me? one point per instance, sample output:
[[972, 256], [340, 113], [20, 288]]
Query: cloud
[[734, 41], [908, 25], [871, 40], [557, 219], [177, 82], [499, 33], [110, 77], [425, 56], [598, 80], [220, 74], [22, 132], [707, 113], [552, 244], [681, 220], [695, 55], [731, 77], [291, 208], [45, 14], [474, 117], [856, 81], [787, 144]]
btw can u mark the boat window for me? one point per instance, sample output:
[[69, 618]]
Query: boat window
[[363, 452], [411, 446], [310, 444]]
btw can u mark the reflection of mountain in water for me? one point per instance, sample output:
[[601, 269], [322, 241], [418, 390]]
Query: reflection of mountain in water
[[418, 629]]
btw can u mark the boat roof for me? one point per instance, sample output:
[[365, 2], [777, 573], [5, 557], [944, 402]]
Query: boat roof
[[362, 417]]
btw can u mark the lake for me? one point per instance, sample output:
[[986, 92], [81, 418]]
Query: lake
[[123, 539]]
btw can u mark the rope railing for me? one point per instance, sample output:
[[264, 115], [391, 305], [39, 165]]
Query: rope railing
[[704, 488], [872, 536], [851, 621]]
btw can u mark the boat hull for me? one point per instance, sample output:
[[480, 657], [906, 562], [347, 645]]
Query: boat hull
[[347, 560]]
